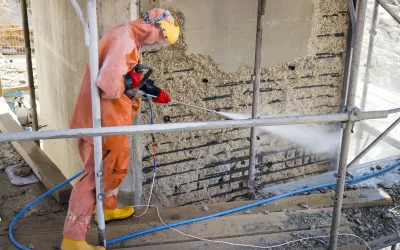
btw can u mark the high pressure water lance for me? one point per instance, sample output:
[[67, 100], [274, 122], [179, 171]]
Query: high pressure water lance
[[182, 103], [132, 92], [197, 107]]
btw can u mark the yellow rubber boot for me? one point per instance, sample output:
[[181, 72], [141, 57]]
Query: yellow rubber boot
[[69, 244], [118, 213]]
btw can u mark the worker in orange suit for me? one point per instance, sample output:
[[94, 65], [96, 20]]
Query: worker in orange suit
[[119, 51]]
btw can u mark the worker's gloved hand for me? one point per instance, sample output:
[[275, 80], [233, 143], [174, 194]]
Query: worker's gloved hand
[[132, 79], [151, 89], [163, 97]]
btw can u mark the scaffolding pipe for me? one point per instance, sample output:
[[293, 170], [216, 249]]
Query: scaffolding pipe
[[389, 10], [372, 34], [27, 39], [346, 75], [392, 111], [96, 117], [374, 132], [84, 23], [190, 126], [256, 97], [341, 174], [376, 141]]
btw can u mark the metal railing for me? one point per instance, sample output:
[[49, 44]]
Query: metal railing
[[349, 116]]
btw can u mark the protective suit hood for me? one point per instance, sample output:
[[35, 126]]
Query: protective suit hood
[[147, 34]]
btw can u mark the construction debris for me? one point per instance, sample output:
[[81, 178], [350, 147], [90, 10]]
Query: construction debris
[[21, 174], [23, 171], [248, 211], [304, 205]]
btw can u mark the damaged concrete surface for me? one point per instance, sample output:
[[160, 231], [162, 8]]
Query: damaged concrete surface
[[303, 75], [226, 29], [211, 166]]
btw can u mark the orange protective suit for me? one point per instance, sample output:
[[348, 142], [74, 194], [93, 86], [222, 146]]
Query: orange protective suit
[[118, 53]]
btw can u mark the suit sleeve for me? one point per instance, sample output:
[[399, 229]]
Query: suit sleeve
[[117, 62]]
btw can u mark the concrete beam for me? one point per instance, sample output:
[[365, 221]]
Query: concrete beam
[[46, 171]]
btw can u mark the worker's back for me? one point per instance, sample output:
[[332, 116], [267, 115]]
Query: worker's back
[[115, 48]]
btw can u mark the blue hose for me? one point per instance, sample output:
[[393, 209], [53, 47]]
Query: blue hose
[[184, 222], [180, 223], [151, 109], [10, 233], [10, 229], [152, 121], [237, 209]]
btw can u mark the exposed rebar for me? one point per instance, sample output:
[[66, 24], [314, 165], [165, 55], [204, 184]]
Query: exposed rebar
[[194, 106], [180, 103]]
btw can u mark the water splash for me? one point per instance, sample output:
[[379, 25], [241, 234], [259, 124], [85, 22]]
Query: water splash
[[312, 137]]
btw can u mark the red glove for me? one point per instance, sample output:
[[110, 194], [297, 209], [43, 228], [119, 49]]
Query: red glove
[[136, 77], [163, 97]]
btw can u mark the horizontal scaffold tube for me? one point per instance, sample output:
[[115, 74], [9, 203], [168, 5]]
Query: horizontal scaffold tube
[[190, 126]]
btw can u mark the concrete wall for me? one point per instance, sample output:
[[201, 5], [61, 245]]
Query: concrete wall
[[61, 58], [210, 66], [225, 30]]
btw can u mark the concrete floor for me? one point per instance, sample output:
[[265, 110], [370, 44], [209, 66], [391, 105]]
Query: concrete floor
[[269, 224]]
